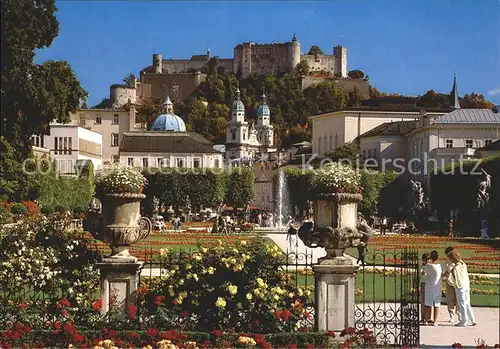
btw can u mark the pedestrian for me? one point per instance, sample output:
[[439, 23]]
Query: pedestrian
[[451, 297], [383, 226], [432, 295], [291, 236], [451, 233], [459, 279], [425, 260]]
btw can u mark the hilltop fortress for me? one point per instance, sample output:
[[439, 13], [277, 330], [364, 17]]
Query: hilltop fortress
[[252, 58], [182, 76]]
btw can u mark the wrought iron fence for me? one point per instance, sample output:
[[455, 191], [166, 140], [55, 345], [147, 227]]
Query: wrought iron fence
[[389, 303]]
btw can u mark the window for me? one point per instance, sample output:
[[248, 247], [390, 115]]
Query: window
[[116, 119], [180, 162], [130, 162], [82, 119], [116, 159], [197, 163], [468, 143], [244, 134], [70, 145], [65, 139], [145, 162], [98, 119], [487, 141], [114, 139], [233, 135], [216, 163], [159, 162], [364, 154], [449, 143], [42, 141], [55, 145]]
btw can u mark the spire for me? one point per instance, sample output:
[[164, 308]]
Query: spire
[[208, 51], [168, 106], [294, 38], [238, 97], [454, 94], [264, 97]]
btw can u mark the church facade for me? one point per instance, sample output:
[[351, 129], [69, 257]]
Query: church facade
[[245, 140]]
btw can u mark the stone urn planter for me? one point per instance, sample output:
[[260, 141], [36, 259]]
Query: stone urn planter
[[121, 224]]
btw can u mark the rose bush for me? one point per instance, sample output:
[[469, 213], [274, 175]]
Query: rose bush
[[117, 179]]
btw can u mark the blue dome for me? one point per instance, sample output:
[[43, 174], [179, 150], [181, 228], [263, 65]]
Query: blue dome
[[263, 110], [169, 122], [238, 106]]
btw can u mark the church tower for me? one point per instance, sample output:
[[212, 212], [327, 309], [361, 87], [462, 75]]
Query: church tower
[[265, 131], [237, 129], [455, 104], [294, 53]]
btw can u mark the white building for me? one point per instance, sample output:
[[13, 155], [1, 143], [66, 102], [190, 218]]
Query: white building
[[68, 144], [243, 140], [168, 145], [332, 130]]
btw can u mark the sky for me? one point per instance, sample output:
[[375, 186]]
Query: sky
[[405, 47]]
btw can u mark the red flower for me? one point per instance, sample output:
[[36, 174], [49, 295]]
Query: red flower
[[23, 305], [159, 299], [286, 314], [292, 346], [133, 335], [257, 322], [331, 334], [97, 305], [68, 328], [217, 333], [63, 303], [152, 332], [78, 338], [310, 346], [277, 313], [184, 314], [347, 331], [112, 334], [131, 311]]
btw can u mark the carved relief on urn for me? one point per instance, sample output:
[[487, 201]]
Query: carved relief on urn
[[119, 223]]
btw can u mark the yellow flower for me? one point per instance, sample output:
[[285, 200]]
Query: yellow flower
[[211, 270], [188, 266], [260, 282], [232, 289], [195, 277], [220, 302], [249, 296], [204, 249], [243, 242], [256, 291], [300, 292], [291, 294], [181, 282], [163, 251], [276, 297], [198, 257]]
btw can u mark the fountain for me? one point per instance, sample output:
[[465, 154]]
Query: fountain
[[283, 202]]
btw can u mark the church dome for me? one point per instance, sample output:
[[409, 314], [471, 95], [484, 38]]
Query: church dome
[[168, 121], [263, 109], [238, 104]]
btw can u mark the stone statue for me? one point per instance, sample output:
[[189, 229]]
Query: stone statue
[[418, 195], [483, 197]]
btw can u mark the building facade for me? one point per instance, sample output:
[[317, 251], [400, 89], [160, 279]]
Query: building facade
[[168, 145], [243, 140], [111, 124], [67, 144], [332, 130]]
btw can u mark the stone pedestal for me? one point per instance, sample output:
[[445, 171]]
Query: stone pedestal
[[119, 280], [335, 293]]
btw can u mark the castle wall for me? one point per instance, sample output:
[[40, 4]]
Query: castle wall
[[120, 95], [347, 84], [320, 62], [155, 85], [250, 58]]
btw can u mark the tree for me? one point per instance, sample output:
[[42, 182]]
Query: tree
[[32, 95], [325, 97], [240, 187], [303, 68], [315, 50], [375, 93], [213, 64], [129, 80], [355, 98], [148, 111], [104, 104], [356, 74], [475, 100], [433, 99], [347, 151]]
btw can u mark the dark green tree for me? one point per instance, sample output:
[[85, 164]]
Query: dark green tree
[[315, 50], [433, 99], [303, 68], [32, 95], [356, 74], [129, 80], [240, 187], [148, 110], [347, 151], [475, 100]]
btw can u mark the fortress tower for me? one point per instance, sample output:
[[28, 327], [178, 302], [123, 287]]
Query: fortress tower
[[158, 63], [294, 55], [340, 53]]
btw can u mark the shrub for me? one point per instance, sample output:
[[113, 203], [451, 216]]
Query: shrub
[[79, 211], [46, 210], [59, 209], [5, 215], [119, 179], [32, 207], [18, 209]]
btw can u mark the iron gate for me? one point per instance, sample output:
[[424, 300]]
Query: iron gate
[[388, 301]]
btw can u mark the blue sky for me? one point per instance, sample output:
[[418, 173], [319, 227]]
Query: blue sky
[[405, 47]]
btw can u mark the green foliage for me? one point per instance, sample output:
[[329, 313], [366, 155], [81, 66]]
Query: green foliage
[[315, 50], [201, 189], [5, 215], [148, 110], [348, 152], [104, 104], [325, 97], [303, 68], [299, 184], [129, 80], [240, 187], [18, 209], [475, 100], [372, 183], [47, 210], [356, 74], [432, 99]]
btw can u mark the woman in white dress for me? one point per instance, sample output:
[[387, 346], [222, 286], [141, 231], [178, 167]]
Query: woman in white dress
[[459, 279], [432, 296]]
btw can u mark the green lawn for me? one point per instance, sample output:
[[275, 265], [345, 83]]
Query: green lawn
[[377, 288]]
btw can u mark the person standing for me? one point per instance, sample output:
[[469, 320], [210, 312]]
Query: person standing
[[425, 259], [383, 226], [432, 295], [451, 297], [459, 279]]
